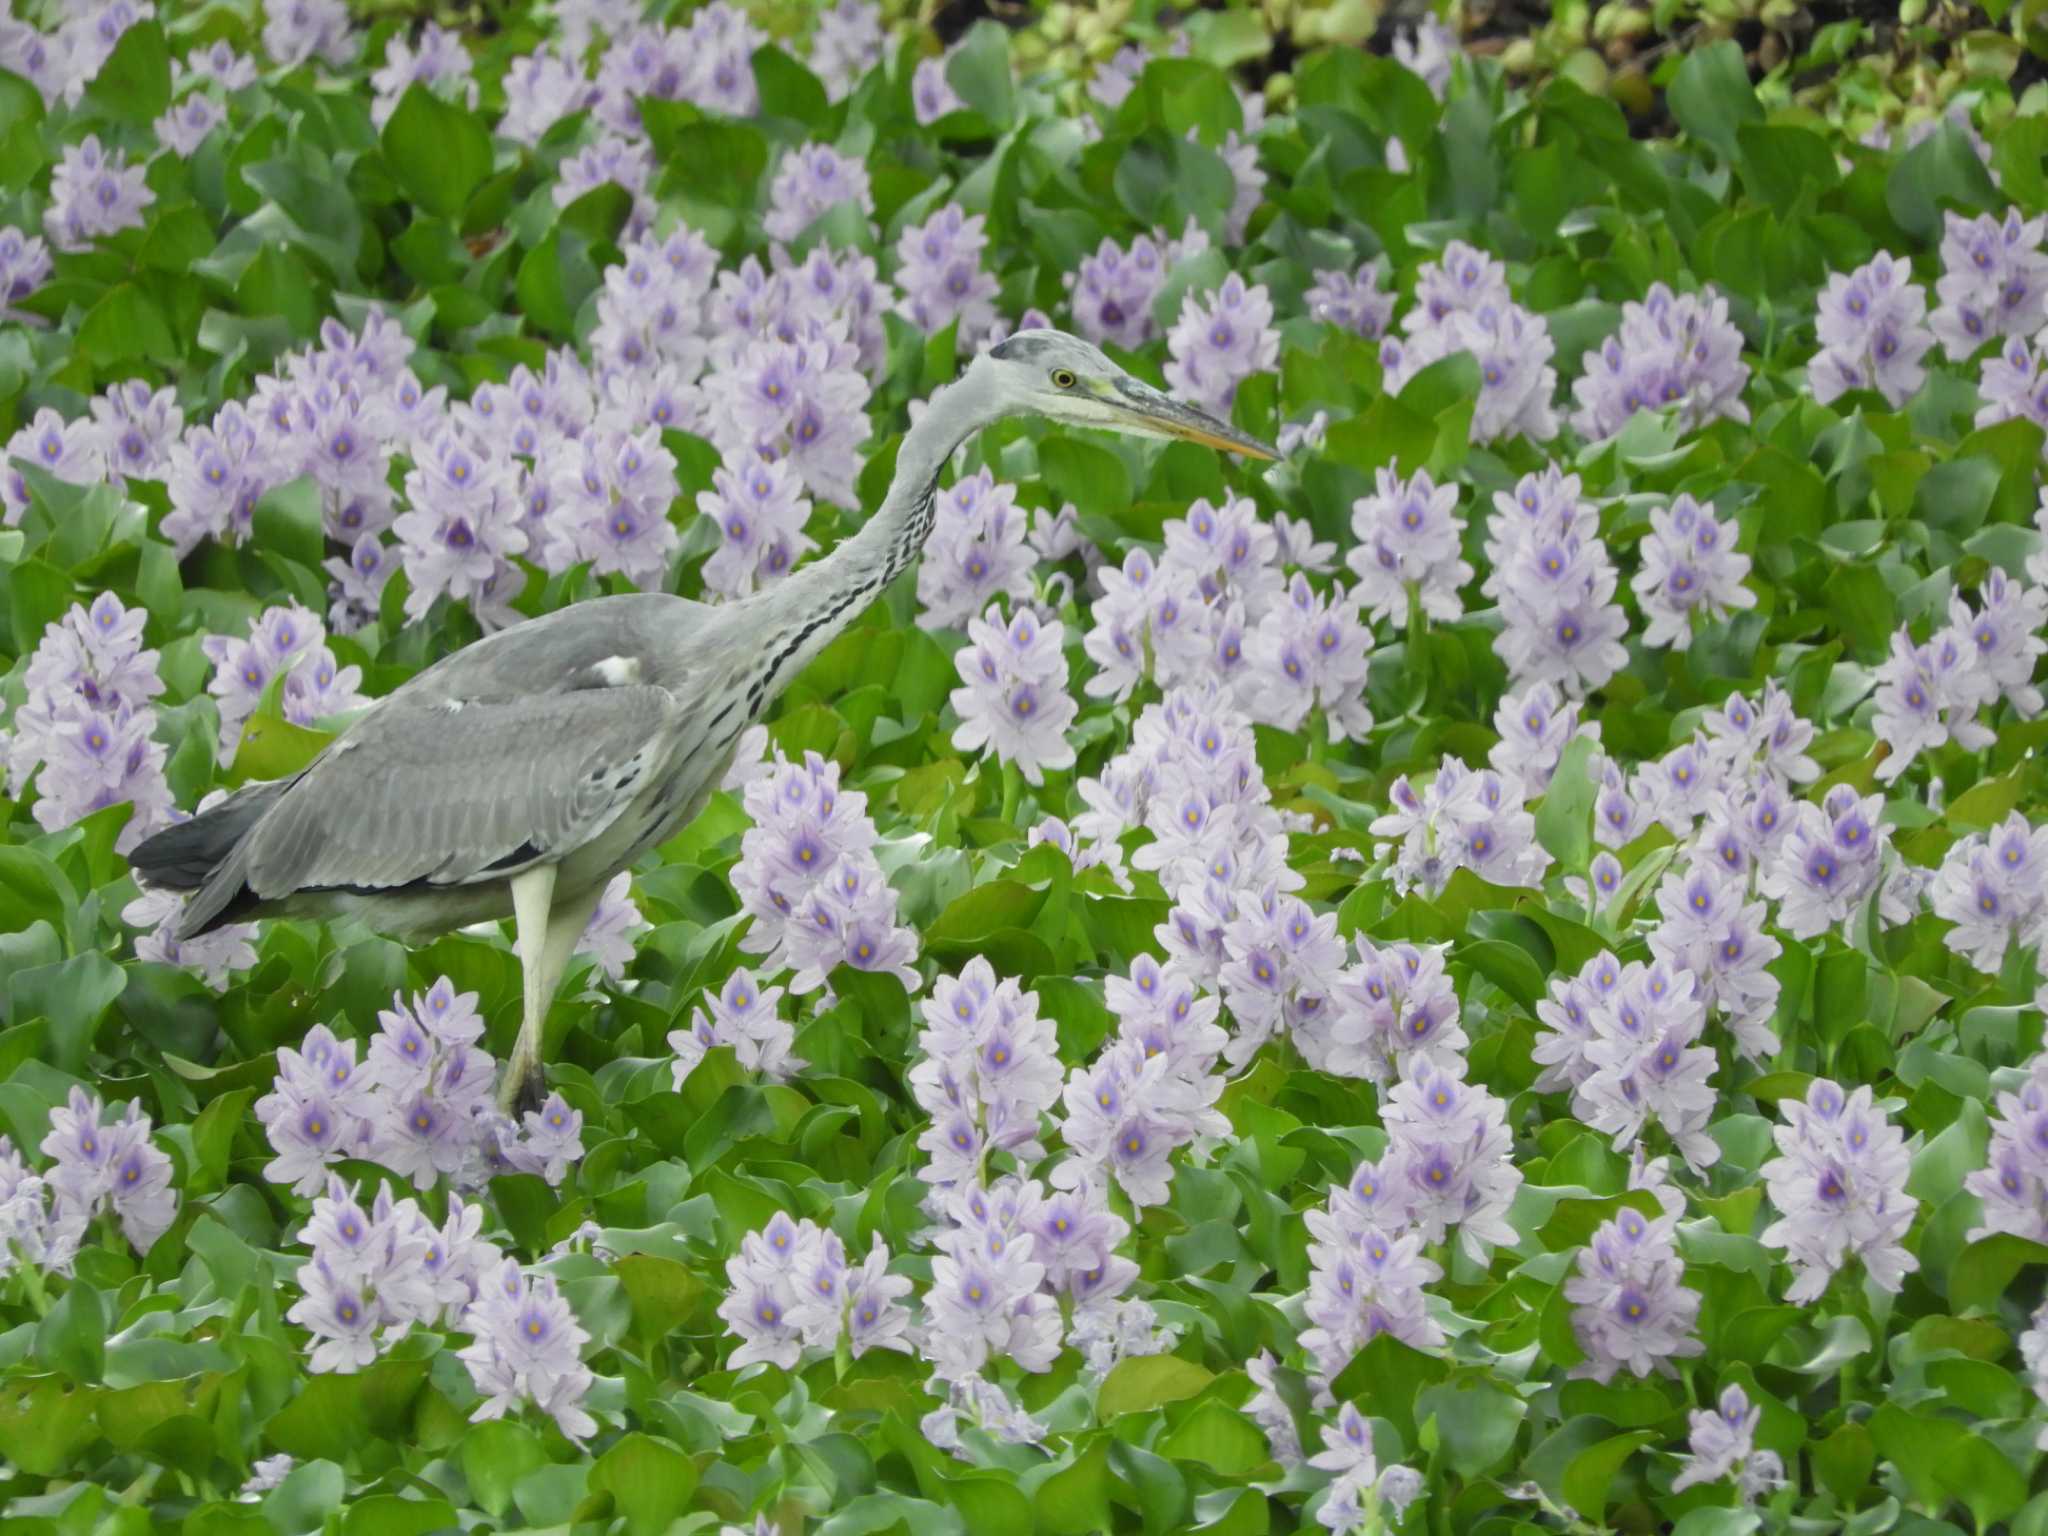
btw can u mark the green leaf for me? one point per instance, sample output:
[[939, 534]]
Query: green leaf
[[979, 71], [74, 995], [1145, 1382], [788, 89], [650, 1481], [125, 328], [1780, 165], [496, 1455], [1941, 173], [1218, 1438], [72, 1338], [1075, 1500], [1564, 821], [134, 84], [1476, 1423], [1591, 1472], [288, 520], [438, 152], [1711, 96]]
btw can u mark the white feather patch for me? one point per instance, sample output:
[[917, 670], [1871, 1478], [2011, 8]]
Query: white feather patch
[[618, 671]]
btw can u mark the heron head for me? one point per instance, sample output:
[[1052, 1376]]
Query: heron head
[[1052, 374]]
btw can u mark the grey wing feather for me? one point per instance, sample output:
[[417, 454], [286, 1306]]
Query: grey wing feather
[[425, 792]]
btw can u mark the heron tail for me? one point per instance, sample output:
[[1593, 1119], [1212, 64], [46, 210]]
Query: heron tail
[[198, 855]]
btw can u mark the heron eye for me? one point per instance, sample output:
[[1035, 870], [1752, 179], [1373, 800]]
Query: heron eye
[[1063, 378]]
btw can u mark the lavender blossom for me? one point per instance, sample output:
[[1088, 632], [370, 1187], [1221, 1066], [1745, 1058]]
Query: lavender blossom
[[1219, 341], [1839, 1187], [542, 88], [1690, 565], [1014, 699], [1993, 283], [74, 452], [942, 276], [846, 42], [804, 400], [1629, 1310], [1872, 333], [1351, 301], [810, 181], [526, 1347], [100, 1164], [185, 125], [1111, 292], [1672, 350], [931, 94], [94, 192], [2013, 1183], [978, 551], [1408, 548], [1449, 1161], [744, 1016], [1993, 886], [1723, 1444]]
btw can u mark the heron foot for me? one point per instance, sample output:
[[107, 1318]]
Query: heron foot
[[524, 1091]]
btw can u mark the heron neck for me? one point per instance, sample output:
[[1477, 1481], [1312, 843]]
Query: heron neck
[[815, 604]]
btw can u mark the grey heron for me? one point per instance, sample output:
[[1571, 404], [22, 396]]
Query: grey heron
[[519, 774]]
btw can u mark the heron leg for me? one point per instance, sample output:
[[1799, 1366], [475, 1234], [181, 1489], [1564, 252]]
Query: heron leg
[[533, 894]]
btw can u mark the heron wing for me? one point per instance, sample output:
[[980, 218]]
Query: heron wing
[[449, 792]]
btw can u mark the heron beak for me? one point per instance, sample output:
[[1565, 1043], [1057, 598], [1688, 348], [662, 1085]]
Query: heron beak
[[1141, 408]]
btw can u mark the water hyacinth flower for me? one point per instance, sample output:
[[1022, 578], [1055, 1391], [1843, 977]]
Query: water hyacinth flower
[[100, 1164], [1629, 1310], [612, 492], [846, 42], [1839, 1187], [931, 94], [989, 1070], [185, 125], [1993, 283], [212, 957], [1929, 695], [94, 192], [1219, 341], [2013, 1183], [84, 731], [807, 875], [1672, 350], [1311, 653], [1461, 819], [744, 1016], [1395, 1008], [1690, 566], [1872, 333], [71, 451], [1556, 583], [2013, 382], [1352, 301], [287, 640], [941, 274], [542, 88], [1993, 886], [979, 550], [24, 267], [1722, 1443], [804, 400], [760, 510], [437, 60], [1111, 293], [1829, 861], [811, 180], [1014, 701], [1449, 1161], [793, 1289], [526, 1347], [295, 31], [1408, 548], [1367, 1275]]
